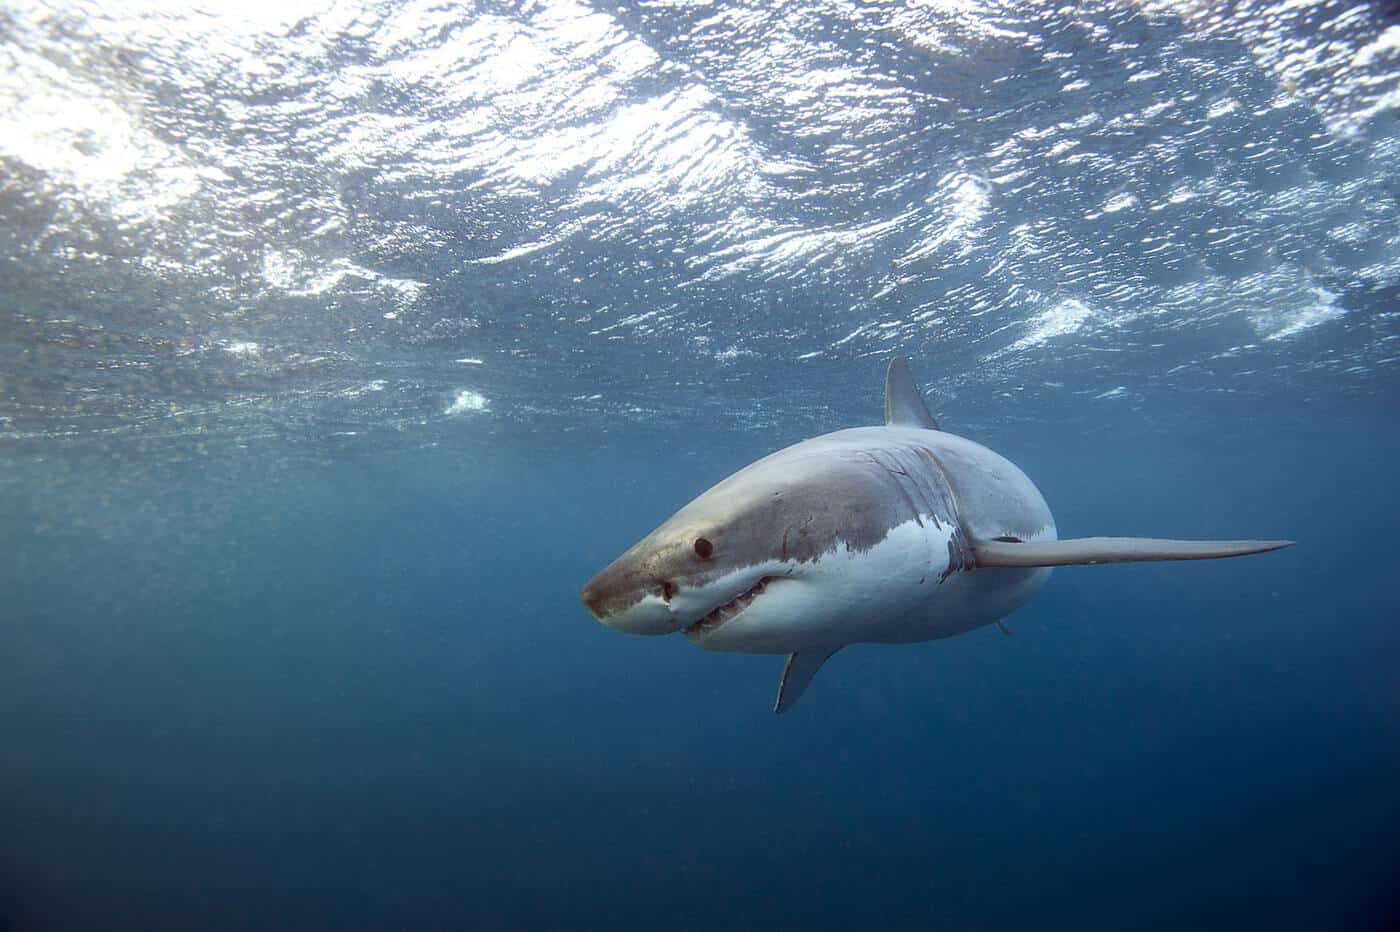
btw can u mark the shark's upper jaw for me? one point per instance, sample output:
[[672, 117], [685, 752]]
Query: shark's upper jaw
[[698, 606], [727, 611]]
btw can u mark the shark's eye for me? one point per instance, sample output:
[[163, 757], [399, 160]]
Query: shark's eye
[[703, 548]]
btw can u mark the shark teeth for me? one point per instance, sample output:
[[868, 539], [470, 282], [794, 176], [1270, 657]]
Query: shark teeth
[[729, 609]]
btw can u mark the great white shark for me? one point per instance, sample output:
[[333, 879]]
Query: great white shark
[[887, 535]]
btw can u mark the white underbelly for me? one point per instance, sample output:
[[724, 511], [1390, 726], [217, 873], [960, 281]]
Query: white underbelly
[[966, 600]]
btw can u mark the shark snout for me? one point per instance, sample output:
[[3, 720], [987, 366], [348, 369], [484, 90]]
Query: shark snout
[[627, 605], [594, 599]]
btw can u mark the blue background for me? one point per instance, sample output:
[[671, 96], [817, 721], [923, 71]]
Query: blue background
[[363, 694]]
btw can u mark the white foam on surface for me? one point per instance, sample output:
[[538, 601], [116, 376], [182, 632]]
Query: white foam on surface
[[467, 401]]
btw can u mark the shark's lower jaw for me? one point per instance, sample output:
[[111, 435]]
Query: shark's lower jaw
[[728, 611]]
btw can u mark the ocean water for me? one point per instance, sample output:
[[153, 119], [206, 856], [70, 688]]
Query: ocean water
[[341, 343]]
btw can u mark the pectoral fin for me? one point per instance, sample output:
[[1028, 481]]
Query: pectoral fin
[[1083, 550], [801, 667]]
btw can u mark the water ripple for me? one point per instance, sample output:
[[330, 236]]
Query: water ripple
[[300, 219]]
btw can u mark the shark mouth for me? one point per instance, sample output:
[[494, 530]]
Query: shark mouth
[[729, 610]]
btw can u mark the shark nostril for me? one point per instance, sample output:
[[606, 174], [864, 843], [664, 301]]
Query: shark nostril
[[668, 589]]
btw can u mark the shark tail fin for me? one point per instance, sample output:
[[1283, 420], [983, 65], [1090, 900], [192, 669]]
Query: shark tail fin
[[904, 406], [1084, 550], [801, 667]]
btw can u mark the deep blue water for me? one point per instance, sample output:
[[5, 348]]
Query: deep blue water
[[362, 694], [341, 343]]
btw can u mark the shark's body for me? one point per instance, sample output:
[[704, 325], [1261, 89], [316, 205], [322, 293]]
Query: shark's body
[[889, 534]]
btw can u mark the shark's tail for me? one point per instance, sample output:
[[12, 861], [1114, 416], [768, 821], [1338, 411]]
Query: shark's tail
[[1082, 550]]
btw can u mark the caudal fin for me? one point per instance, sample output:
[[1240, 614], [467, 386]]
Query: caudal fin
[[1083, 550]]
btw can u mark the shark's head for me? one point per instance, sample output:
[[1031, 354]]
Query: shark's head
[[766, 560]]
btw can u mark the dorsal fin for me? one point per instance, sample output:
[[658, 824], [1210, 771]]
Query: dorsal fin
[[801, 667], [904, 406]]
